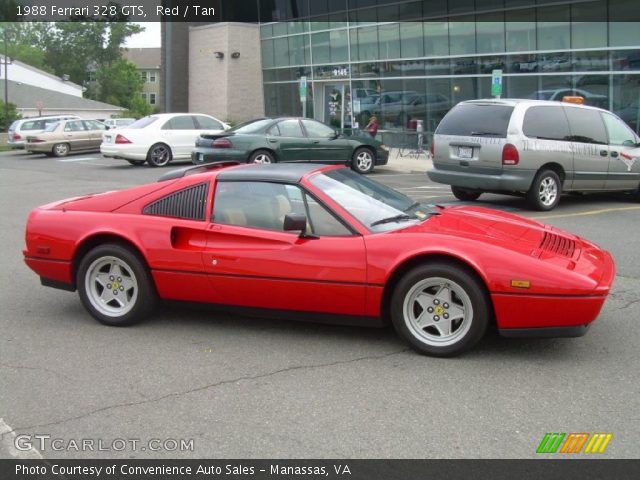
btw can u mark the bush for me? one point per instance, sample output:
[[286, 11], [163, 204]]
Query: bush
[[12, 115]]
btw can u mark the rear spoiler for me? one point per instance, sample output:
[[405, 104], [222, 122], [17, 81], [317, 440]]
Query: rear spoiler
[[183, 172]]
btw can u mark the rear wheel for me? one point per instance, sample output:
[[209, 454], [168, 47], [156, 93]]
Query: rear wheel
[[544, 193], [115, 285], [60, 150], [159, 155], [465, 195], [440, 309], [363, 160], [137, 163], [262, 156]]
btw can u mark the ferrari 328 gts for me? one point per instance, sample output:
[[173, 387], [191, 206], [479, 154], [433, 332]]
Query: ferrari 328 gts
[[318, 243]]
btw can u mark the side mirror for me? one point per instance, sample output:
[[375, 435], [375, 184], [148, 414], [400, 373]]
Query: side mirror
[[297, 222]]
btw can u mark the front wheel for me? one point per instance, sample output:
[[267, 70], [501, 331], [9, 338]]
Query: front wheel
[[60, 150], [440, 309], [544, 194], [363, 160], [115, 286], [262, 157], [465, 195], [159, 155]]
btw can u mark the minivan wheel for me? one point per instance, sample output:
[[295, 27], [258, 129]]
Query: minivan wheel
[[545, 191], [465, 195]]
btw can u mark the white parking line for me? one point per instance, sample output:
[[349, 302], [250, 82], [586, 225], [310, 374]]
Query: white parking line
[[83, 159], [7, 441]]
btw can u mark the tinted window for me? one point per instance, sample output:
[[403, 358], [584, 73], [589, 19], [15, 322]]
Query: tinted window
[[184, 122], [143, 122], [207, 123], [476, 120], [93, 125], [619, 133], [317, 129], [547, 123], [33, 125], [74, 126], [252, 126], [586, 125], [290, 128]]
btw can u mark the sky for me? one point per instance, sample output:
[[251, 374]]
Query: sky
[[147, 39]]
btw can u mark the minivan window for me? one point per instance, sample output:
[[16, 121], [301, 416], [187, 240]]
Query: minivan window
[[586, 125], [619, 132], [476, 119], [546, 123]]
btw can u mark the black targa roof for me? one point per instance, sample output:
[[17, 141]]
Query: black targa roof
[[279, 172]]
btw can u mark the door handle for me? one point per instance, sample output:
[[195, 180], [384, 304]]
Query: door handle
[[315, 142], [271, 140], [614, 154], [603, 153]]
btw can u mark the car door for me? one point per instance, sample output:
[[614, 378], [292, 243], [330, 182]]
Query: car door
[[624, 165], [251, 261], [180, 133], [95, 129], [590, 149], [289, 140], [76, 135], [325, 145]]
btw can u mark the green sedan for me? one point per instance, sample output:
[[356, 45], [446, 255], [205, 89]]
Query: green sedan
[[271, 140]]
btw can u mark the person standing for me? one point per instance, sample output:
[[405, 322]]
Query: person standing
[[372, 126]]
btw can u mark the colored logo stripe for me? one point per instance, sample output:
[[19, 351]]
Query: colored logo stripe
[[550, 443], [598, 443], [574, 442]]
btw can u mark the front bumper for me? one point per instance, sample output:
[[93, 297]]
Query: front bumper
[[382, 156]]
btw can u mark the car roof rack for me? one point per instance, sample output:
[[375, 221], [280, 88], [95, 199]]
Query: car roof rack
[[183, 172]]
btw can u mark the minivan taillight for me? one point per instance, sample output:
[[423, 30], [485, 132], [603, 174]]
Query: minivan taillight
[[222, 143], [122, 139], [510, 155]]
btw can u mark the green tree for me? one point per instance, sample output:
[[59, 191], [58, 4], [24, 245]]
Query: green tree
[[12, 115], [120, 83]]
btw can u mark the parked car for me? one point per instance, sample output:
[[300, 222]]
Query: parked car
[[67, 136], [319, 243], [289, 139], [118, 122], [19, 129], [590, 98], [534, 148], [159, 139]]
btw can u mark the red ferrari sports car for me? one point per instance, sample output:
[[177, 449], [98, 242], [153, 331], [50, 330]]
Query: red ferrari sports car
[[318, 243]]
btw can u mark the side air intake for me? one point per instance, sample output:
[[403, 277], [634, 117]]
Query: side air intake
[[189, 204]]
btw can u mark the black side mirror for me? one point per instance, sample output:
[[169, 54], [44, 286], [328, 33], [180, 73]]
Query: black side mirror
[[297, 222]]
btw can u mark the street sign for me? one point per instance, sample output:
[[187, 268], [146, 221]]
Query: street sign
[[303, 89], [496, 83]]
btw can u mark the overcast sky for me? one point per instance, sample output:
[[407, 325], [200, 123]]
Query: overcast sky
[[147, 39]]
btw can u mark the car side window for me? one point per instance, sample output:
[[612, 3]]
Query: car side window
[[274, 131], [546, 123], [93, 125], [74, 126], [183, 122], [290, 128], [322, 222], [586, 125], [317, 130], [206, 123], [619, 133]]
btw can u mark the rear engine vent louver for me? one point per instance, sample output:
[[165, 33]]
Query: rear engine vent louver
[[558, 244], [189, 204]]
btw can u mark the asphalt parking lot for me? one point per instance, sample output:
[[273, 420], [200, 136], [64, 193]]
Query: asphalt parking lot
[[246, 387]]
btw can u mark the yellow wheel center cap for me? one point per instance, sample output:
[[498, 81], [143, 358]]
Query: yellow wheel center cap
[[116, 285], [439, 310]]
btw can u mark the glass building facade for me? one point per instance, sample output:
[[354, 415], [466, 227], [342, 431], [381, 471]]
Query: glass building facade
[[405, 61]]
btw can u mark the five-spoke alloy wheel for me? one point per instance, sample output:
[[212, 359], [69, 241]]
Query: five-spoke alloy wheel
[[159, 155], [441, 309], [363, 160], [545, 191], [115, 285], [262, 157]]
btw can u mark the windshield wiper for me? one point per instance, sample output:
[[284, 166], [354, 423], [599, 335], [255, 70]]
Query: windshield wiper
[[480, 134], [396, 218], [413, 205]]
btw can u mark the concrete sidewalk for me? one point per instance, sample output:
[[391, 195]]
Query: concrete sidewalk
[[406, 161]]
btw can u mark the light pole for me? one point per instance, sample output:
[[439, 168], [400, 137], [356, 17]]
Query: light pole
[[6, 62]]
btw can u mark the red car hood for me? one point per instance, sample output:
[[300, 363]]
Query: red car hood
[[504, 229]]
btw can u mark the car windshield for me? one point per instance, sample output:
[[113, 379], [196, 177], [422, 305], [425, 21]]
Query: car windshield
[[51, 127], [143, 122], [252, 126], [376, 206]]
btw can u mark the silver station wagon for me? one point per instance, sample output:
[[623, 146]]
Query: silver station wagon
[[534, 148]]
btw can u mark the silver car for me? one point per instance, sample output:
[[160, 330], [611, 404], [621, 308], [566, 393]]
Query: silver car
[[534, 148]]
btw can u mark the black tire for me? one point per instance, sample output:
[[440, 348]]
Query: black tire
[[159, 155], [463, 295], [363, 160], [545, 191], [60, 150], [262, 157], [465, 195], [131, 280], [136, 163]]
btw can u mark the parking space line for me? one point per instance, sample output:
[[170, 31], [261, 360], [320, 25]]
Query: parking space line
[[83, 159], [583, 214]]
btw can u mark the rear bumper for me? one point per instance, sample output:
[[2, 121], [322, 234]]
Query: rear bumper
[[18, 144], [508, 180], [207, 155], [44, 147], [132, 152]]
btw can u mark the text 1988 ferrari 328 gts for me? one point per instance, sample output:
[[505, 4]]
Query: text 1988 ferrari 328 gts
[[318, 243]]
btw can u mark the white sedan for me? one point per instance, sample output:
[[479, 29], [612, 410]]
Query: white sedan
[[159, 139]]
